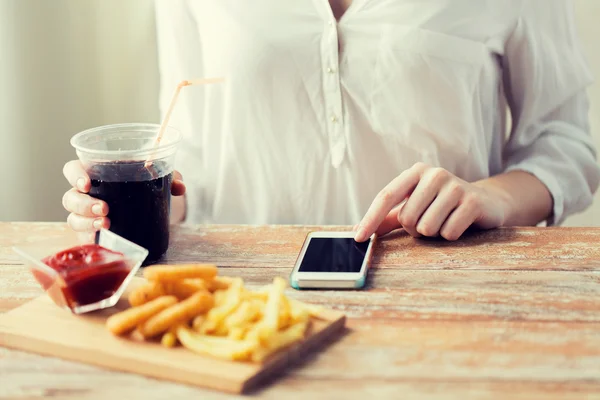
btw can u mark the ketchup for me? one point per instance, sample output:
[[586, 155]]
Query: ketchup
[[91, 273]]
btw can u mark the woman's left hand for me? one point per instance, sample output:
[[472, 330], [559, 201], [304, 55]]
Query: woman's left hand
[[428, 201]]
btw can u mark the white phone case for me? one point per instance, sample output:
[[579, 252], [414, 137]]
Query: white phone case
[[330, 280]]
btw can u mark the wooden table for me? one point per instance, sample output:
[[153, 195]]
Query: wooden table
[[509, 313]]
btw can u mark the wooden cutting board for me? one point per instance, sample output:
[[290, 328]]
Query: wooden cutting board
[[41, 327]]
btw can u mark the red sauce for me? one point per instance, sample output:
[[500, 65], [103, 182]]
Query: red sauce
[[91, 273]]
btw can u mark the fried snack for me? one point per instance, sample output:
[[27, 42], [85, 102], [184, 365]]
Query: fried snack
[[218, 283], [178, 313], [184, 288], [208, 327], [199, 283], [269, 324], [221, 330], [247, 312], [280, 340], [197, 322], [218, 347], [220, 296], [169, 339], [230, 301], [227, 320], [257, 296], [170, 273], [304, 308], [238, 332], [145, 293], [127, 320], [285, 317]]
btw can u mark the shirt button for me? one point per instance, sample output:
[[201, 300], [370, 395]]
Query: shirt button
[[334, 118], [331, 70], [330, 23]]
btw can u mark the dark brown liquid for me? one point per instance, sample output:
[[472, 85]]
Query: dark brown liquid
[[138, 203]]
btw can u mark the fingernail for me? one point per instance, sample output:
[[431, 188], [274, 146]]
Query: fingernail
[[97, 209], [81, 184], [98, 224]]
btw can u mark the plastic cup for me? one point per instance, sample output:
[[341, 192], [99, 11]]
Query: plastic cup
[[138, 198]]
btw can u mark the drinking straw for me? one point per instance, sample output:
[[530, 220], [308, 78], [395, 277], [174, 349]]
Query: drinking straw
[[163, 126]]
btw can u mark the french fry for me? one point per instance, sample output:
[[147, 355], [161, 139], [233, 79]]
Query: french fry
[[201, 284], [218, 283], [238, 332], [285, 317], [184, 288], [280, 340], [258, 296], [209, 326], [246, 312], [178, 313], [169, 339], [218, 347], [227, 320], [127, 320], [136, 336], [170, 273], [198, 321], [221, 330], [260, 306], [220, 296], [145, 293], [229, 303], [301, 307], [270, 321]]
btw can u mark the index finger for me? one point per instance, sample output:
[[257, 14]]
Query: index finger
[[76, 175], [389, 197]]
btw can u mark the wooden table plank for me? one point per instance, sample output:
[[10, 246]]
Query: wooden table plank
[[424, 351], [511, 249], [36, 377], [26, 233], [510, 313], [561, 249]]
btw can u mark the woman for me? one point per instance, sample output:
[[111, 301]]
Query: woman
[[328, 105]]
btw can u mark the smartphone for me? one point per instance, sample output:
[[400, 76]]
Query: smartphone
[[332, 260]]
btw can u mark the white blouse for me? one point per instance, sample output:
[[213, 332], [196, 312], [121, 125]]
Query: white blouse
[[316, 116]]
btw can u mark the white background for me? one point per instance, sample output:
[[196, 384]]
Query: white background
[[68, 65]]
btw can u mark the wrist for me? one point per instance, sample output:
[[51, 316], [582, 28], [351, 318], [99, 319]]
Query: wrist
[[524, 199], [500, 197]]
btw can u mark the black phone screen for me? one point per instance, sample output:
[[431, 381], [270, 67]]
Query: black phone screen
[[334, 255]]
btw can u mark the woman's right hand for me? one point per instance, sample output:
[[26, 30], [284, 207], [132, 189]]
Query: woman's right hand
[[87, 214]]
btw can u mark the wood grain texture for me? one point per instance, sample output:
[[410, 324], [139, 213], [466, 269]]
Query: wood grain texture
[[509, 313], [41, 327]]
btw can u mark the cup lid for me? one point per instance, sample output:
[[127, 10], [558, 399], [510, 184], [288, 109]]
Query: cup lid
[[125, 141]]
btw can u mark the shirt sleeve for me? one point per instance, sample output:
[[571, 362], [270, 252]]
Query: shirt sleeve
[[545, 81]]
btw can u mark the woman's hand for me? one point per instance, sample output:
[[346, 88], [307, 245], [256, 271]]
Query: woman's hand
[[88, 214], [428, 201]]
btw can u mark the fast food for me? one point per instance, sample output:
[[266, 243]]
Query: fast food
[[146, 293], [178, 313], [170, 273], [129, 319], [213, 315]]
